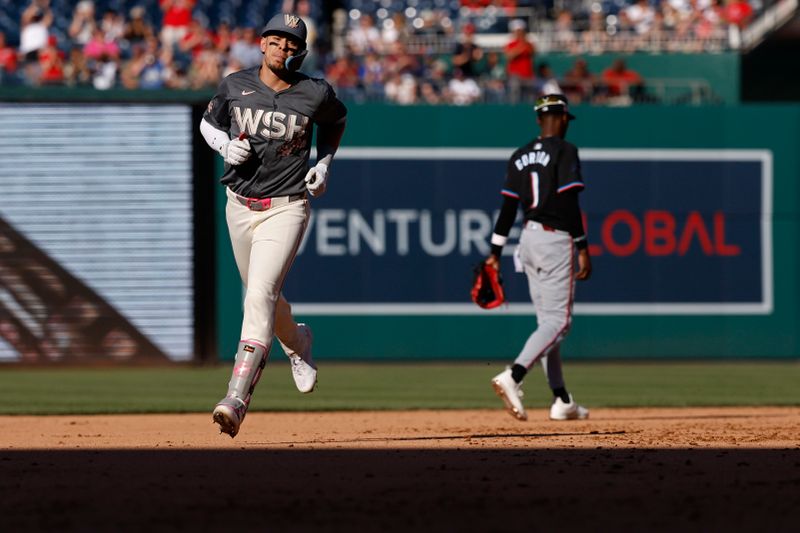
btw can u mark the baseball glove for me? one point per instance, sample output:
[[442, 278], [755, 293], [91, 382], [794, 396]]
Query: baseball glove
[[487, 286]]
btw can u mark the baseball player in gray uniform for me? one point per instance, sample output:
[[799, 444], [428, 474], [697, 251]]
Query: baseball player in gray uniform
[[543, 177], [261, 122]]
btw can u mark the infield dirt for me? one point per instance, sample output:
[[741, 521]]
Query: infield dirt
[[709, 469]]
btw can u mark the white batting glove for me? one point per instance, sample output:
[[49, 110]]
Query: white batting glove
[[316, 179], [236, 152]]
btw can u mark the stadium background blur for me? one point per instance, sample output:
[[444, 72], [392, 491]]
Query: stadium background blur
[[415, 52]]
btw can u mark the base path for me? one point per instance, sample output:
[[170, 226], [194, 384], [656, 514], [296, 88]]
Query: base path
[[709, 469]]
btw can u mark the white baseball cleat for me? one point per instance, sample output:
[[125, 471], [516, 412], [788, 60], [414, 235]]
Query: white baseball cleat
[[304, 371], [229, 414], [568, 411], [511, 393]]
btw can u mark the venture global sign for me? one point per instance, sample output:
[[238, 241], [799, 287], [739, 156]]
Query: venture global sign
[[672, 232]]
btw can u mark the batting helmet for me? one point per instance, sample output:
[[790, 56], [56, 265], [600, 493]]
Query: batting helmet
[[292, 26]]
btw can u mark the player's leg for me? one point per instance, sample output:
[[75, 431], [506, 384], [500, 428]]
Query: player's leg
[[250, 358], [548, 260], [296, 340], [240, 229], [564, 406], [276, 236]]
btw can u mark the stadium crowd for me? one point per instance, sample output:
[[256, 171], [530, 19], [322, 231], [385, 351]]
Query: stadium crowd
[[482, 51]]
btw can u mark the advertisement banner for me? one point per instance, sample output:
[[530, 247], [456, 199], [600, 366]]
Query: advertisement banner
[[671, 232]]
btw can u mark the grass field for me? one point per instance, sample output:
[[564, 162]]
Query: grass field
[[394, 386]]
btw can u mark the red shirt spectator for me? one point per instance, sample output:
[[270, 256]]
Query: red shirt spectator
[[737, 12], [618, 78], [51, 60], [8, 55], [177, 12], [195, 38], [519, 51], [343, 74]]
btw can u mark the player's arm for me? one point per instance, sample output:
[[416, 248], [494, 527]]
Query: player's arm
[[506, 218], [570, 183], [331, 120], [214, 128]]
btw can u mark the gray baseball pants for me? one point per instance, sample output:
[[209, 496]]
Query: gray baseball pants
[[548, 260]]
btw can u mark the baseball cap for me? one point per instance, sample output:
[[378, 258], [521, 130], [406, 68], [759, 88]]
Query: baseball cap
[[287, 24], [553, 103]]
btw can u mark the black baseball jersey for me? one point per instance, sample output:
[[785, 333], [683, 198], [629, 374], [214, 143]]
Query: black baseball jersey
[[279, 126], [545, 176]]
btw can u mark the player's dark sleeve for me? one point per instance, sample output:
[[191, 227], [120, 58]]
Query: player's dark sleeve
[[508, 212], [331, 110], [570, 183], [217, 113]]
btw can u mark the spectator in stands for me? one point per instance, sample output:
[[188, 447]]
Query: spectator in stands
[[401, 89], [462, 90], [493, 78], [245, 49], [137, 29], [104, 71], [520, 53], [131, 69], [51, 60], [394, 29], [400, 60], [475, 4], [468, 55], [564, 36], [365, 37], [83, 23], [152, 71], [371, 73], [708, 27], [222, 37], [34, 24], [343, 75], [546, 82], [98, 47], [176, 20], [638, 17], [737, 12], [113, 25], [76, 70], [578, 83], [429, 94], [622, 84], [206, 67], [194, 40], [8, 61], [303, 8], [595, 40]]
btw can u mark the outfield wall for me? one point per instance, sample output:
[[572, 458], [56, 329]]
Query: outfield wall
[[692, 214]]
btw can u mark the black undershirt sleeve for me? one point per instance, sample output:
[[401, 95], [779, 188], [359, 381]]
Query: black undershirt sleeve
[[574, 219], [505, 220]]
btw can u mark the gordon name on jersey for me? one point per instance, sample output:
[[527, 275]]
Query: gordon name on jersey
[[535, 157]]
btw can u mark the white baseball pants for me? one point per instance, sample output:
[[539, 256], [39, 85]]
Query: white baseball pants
[[265, 244]]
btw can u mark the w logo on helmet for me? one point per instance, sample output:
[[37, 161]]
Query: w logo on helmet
[[291, 21]]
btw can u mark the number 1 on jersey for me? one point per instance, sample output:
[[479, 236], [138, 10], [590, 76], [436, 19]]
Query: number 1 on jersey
[[535, 189]]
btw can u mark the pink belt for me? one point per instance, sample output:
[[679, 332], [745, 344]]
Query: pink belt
[[262, 204]]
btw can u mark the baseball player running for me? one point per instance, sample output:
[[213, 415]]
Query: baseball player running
[[261, 122], [544, 178]]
